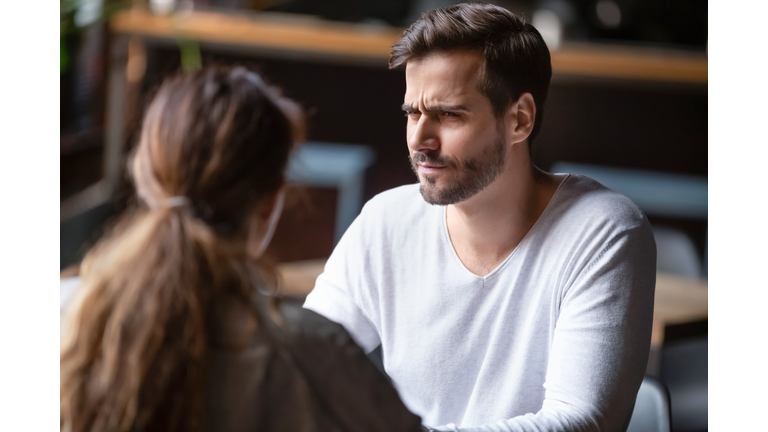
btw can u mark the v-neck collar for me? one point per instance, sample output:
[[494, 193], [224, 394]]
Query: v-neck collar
[[543, 216]]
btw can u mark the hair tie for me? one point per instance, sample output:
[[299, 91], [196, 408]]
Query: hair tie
[[177, 201]]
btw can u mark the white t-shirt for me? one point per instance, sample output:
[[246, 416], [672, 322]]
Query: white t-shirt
[[556, 338]]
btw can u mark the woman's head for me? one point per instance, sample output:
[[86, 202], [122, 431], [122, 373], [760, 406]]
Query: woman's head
[[209, 167], [220, 138]]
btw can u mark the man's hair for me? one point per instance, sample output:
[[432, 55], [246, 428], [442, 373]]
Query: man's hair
[[515, 58]]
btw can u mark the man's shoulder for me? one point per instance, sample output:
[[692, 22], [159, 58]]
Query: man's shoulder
[[587, 198]]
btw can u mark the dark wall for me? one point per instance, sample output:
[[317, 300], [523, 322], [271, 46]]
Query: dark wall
[[654, 126], [345, 104], [651, 126], [646, 125]]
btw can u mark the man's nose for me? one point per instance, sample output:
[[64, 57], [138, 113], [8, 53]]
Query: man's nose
[[422, 135]]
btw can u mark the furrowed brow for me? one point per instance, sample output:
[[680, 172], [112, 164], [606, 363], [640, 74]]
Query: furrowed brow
[[436, 108], [446, 108]]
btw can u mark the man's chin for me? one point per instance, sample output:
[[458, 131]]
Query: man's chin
[[431, 194], [446, 194]]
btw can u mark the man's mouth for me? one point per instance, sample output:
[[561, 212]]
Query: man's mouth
[[429, 168]]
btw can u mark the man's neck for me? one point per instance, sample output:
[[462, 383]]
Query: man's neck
[[486, 228]]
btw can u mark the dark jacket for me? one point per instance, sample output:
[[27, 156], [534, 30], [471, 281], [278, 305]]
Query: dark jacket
[[304, 375]]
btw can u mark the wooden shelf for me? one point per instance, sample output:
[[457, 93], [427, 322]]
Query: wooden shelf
[[313, 36], [264, 31], [629, 62]]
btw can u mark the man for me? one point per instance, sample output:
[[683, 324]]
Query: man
[[505, 298]]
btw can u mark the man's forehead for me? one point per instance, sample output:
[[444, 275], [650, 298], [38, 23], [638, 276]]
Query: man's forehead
[[457, 65], [442, 77]]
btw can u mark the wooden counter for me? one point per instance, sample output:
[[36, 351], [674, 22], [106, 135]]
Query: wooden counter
[[296, 34]]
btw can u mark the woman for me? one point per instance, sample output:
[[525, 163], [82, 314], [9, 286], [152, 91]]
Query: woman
[[171, 327]]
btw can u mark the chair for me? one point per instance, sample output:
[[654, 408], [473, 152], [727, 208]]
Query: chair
[[652, 412], [340, 166], [684, 370], [676, 253]]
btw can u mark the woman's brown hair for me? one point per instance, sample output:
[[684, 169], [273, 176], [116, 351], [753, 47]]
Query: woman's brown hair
[[214, 145]]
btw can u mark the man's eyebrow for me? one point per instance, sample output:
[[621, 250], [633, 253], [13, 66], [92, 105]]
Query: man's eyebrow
[[407, 107]]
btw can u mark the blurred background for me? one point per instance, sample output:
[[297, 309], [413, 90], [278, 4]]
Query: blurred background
[[627, 106]]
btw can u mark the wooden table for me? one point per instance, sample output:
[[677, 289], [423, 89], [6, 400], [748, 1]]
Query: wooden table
[[298, 278], [678, 300]]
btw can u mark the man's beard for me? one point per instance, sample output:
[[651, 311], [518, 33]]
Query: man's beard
[[471, 175]]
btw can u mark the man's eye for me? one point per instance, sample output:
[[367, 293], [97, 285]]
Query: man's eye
[[450, 114], [411, 113]]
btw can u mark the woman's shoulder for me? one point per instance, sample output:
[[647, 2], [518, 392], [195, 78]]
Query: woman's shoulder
[[356, 392], [307, 324]]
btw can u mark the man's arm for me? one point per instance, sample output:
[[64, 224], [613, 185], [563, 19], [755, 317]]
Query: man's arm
[[333, 296], [600, 347]]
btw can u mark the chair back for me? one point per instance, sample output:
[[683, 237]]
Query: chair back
[[652, 411]]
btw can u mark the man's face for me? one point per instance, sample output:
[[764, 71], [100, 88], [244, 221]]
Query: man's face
[[456, 146]]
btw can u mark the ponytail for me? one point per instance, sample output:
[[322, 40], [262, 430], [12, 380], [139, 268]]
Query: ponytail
[[134, 356]]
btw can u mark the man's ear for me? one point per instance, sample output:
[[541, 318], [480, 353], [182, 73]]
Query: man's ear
[[522, 115]]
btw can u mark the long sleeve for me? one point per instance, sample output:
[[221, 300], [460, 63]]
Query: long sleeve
[[601, 341], [333, 296]]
